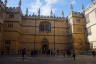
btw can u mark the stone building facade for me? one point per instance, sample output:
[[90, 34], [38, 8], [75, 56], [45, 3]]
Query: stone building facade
[[18, 31], [90, 15]]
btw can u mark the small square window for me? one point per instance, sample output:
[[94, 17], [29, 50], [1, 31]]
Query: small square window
[[11, 15], [89, 31], [78, 20], [87, 19], [0, 29], [95, 13]]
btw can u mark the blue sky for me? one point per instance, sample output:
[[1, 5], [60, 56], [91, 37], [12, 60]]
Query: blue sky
[[46, 5]]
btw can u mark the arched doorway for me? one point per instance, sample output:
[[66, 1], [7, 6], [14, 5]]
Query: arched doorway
[[45, 46]]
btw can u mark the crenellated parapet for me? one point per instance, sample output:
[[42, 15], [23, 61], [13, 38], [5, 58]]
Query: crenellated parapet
[[44, 17], [76, 14], [9, 10], [12, 10], [90, 8], [2, 4]]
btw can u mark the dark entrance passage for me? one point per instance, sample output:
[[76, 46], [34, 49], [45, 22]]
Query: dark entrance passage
[[44, 49], [45, 46], [7, 46]]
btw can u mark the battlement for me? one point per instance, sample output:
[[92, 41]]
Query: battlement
[[43, 17], [2, 4], [76, 14], [12, 9], [90, 6]]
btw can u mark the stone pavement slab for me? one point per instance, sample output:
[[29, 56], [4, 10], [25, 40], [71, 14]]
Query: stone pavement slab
[[81, 59]]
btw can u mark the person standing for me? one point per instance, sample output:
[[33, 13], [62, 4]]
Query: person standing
[[2, 53]]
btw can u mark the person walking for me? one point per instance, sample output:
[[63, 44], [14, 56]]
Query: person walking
[[64, 54], [74, 56], [23, 53], [32, 53], [93, 53]]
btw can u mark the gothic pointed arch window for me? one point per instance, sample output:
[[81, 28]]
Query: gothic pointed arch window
[[45, 27]]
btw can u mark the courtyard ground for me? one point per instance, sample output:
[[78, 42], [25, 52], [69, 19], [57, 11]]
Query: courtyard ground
[[80, 59]]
